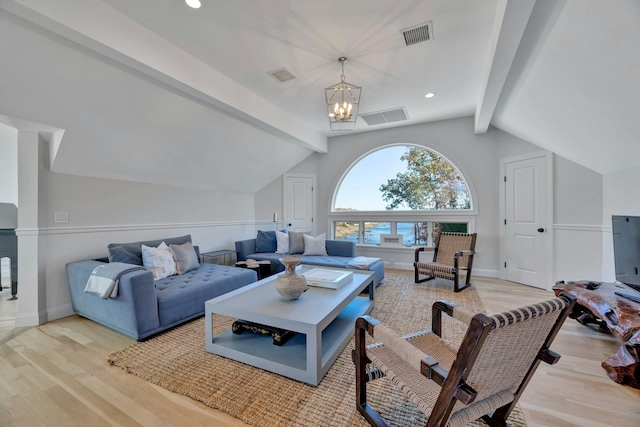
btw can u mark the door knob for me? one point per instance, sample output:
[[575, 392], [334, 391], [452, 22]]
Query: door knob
[[540, 230], [289, 224]]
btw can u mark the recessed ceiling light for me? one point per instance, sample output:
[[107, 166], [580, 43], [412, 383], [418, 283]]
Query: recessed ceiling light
[[193, 3], [430, 95]]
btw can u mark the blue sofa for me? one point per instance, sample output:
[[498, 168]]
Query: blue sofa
[[339, 254], [144, 307]]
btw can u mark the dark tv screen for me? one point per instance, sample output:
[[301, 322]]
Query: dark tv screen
[[626, 249]]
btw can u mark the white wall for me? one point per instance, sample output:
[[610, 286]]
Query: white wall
[[621, 196], [103, 211], [577, 192], [578, 230], [8, 166], [477, 156]]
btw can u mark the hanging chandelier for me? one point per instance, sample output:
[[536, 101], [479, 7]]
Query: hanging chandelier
[[343, 100]]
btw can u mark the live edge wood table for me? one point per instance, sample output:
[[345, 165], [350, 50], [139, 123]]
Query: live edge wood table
[[598, 303]]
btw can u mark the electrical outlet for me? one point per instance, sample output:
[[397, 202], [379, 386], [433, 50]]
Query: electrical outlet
[[61, 217]]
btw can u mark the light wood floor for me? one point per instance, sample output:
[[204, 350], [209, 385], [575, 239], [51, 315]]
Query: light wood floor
[[56, 375]]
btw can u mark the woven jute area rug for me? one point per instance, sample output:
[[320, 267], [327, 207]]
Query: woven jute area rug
[[176, 360]]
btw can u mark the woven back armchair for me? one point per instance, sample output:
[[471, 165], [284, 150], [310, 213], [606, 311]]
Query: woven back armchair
[[453, 254], [483, 378]]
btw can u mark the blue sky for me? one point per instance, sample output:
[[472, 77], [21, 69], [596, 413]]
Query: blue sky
[[361, 187]]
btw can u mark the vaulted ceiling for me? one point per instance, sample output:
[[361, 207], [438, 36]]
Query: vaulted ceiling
[[154, 91]]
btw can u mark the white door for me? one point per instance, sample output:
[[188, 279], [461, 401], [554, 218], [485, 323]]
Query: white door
[[526, 224], [299, 203]]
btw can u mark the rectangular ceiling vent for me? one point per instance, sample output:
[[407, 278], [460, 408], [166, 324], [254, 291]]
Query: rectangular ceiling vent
[[282, 75], [418, 34], [388, 116]]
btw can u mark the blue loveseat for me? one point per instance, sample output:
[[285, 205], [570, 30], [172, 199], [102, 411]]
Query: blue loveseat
[[144, 307], [339, 254]]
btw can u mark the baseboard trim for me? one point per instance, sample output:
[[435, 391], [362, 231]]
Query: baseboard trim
[[59, 312], [31, 319]]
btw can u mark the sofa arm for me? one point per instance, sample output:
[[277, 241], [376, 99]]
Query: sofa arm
[[134, 312], [341, 248], [245, 248]]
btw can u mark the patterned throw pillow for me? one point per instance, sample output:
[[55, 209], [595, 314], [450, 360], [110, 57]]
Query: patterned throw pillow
[[159, 261]]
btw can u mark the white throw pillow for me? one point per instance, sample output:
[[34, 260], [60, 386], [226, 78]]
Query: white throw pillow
[[314, 245], [282, 242], [160, 261]]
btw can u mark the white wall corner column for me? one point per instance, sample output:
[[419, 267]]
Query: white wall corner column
[[32, 302]]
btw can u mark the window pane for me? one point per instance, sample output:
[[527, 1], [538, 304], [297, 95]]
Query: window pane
[[414, 233], [346, 230], [401, 178], [449, 227], [373, 230]]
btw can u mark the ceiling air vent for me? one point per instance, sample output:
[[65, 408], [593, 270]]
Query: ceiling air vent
[[382, 117], [282, 75], [418, 34]]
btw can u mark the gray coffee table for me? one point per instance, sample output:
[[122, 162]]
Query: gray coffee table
[[324, 319]]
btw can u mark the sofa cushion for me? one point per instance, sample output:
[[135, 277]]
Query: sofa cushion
[[266, 241], [296, 242], [181, 297], [314, 245], [186, 257], [326, 261], [131, 253]]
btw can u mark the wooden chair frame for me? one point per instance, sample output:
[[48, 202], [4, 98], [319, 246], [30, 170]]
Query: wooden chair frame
[[453, 267], [453, 382]]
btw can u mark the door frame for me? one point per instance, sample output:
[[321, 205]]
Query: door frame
[[286, 195], [549, 256]]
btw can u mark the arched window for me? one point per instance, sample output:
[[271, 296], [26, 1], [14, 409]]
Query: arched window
[[387, 195]]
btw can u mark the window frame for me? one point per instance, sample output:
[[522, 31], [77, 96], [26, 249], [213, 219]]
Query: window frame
[[418, 216]]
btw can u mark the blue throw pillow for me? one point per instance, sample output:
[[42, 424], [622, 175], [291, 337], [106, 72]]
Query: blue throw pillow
[[125, 254], [266, 241]]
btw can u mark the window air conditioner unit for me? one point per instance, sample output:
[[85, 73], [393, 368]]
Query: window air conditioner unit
[[391, 240]]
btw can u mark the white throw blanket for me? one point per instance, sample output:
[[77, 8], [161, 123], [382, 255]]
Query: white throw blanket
[[362, 262], [104, 279]]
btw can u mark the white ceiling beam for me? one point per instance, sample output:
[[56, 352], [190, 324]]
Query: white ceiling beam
[[91, 24], [509, 25]]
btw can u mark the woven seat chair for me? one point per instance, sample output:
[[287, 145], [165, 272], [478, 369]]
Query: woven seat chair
[[483, 378], [452, 255]]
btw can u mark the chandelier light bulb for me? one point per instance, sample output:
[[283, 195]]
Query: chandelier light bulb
[[193, 3]]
